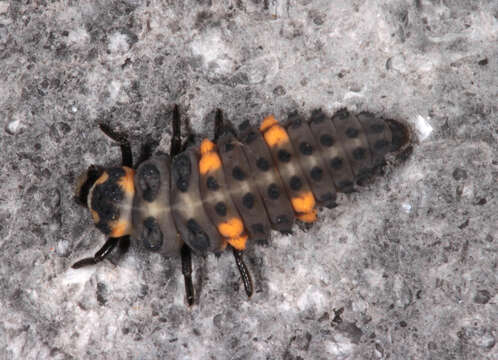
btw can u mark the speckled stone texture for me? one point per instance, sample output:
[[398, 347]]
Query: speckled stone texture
[[406, 268]]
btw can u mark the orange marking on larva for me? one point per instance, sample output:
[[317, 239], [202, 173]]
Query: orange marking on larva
[[267, 123], [206, 146], [95, 216], [209, 162], [307, 217], [239, 242], [276, 135], [102, 179], [126, 182], [303, 203], [231, 228], [120, 228]]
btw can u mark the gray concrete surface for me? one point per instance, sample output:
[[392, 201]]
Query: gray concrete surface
[[404, 269]]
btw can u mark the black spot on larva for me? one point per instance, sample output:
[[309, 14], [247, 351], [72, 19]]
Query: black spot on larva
[[352, 133], [363, 174], [273, 191], [380, 144], [181, 169], [250, 137], [258, 228], [377, 128], [317, 116], [366, 116], [228, 147], [212, 184], [152, 236], [263, 164], [336, 163], [238, 173], [149, 181], [359, 153], [294, 120], [326, 140], [245, 125], [248, 200], [198, 239], [295, 183], [341, 114], [316, 173], [283, 219], [346, 186], [328, 200], [305, 148], [221, 208], [284, 155]]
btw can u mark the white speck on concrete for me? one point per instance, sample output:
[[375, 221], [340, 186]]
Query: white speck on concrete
[[4, 7], [407, 208], [114, 89], [215, 53], [423, 127], [13, 126], [341, 348], [118, 43], [78, 37], [78, 276], [311, 297]]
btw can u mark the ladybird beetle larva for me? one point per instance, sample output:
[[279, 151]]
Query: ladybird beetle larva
[[232, 191]]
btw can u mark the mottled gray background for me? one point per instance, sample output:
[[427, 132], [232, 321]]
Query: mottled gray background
[[404, 269]]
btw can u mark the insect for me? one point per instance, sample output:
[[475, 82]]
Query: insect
[[233, 190]]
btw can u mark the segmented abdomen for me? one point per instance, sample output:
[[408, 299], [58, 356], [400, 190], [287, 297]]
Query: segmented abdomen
[[240, 188]]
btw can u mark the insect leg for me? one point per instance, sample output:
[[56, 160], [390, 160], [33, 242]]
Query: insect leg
[[222, 126], [219, 125], [100, 255], [187, 274], [186, 254], [176, 142], [244, 271], [122, 140], [124, 244]]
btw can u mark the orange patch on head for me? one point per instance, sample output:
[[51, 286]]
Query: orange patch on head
[[102, 179], [276, 135], [209, 162], [231, 228], [120, 228], [267, 123], [126, 182], [308, 217], [304, 203], [206, 146], [239, 242]]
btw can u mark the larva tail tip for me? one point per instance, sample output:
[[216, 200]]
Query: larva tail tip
[[400, 135]]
